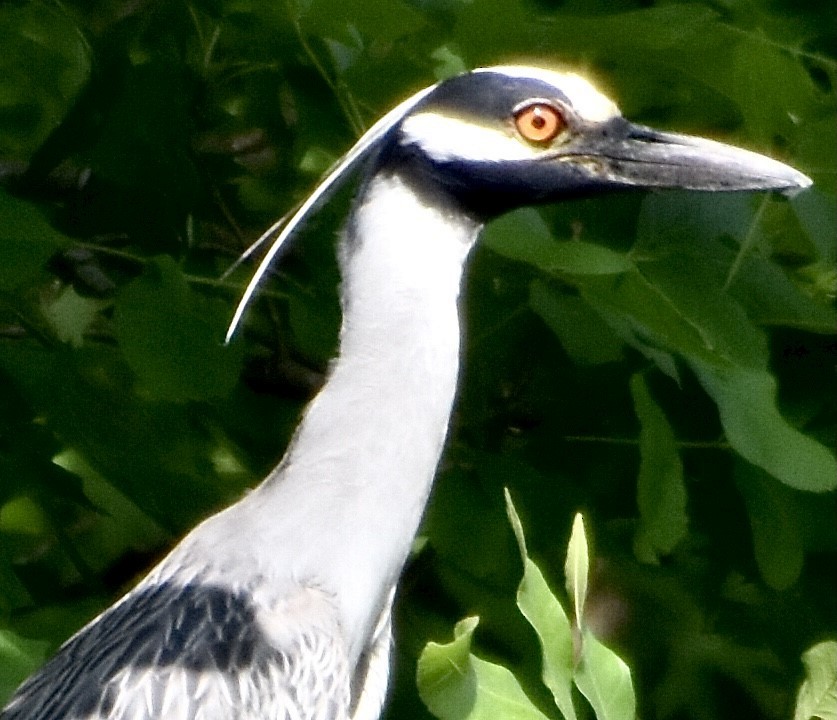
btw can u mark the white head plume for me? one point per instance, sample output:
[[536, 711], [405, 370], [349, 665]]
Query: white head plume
[[359, 151]]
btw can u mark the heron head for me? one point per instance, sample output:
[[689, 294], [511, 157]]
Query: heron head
[[501, 137]]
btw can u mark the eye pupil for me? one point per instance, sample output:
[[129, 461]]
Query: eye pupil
[[538, 122]]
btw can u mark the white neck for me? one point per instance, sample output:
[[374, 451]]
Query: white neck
[[343, 508]]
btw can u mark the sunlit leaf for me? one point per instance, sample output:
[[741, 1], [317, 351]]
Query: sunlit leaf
[[605, 680], [817, 698], [577, 568], [541, 608], [456, 685]]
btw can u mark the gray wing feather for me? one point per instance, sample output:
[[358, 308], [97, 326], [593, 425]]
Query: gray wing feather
[[191, 652]]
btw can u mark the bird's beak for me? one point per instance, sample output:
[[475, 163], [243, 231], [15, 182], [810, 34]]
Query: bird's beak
[[620, 154]]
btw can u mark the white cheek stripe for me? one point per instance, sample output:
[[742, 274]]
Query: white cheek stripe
[[445, 138], [586, 100]]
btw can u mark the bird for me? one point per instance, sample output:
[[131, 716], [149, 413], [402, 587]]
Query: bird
[[279, 607]]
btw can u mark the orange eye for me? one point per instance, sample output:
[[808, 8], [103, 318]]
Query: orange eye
[[539, 122]]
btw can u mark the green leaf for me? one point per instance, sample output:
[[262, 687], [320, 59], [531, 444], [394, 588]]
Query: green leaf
[[661, 493], [577, 568], [645, 317], [586, 338], [171, 336], [86, 397], [776, 523], [448, 63], [768, 106], [746, 399], [456, 685], [523, 235], [817, 698], [22, 515], [692, 279], [315, 161], [70, 314], [44, 65], [674, 302], [18, 658], [546, 616], [13, 592], [27, 241], [583, 258], [121, 527], [605, 680]]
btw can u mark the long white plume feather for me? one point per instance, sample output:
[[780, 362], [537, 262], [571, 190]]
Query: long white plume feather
[[359, 151]]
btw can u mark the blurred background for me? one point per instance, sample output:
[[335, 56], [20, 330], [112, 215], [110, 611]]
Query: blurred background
[[662, 362]]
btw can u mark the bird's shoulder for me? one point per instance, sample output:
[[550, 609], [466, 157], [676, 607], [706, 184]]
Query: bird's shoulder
[[196, 651]]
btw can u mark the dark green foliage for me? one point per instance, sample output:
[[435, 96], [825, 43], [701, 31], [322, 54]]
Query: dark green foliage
[[663, 363]]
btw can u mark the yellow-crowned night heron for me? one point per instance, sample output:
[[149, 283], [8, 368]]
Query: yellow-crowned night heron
[[278, 608]]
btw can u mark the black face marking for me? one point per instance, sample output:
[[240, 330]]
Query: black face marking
[[197, 627], [485, 189]]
